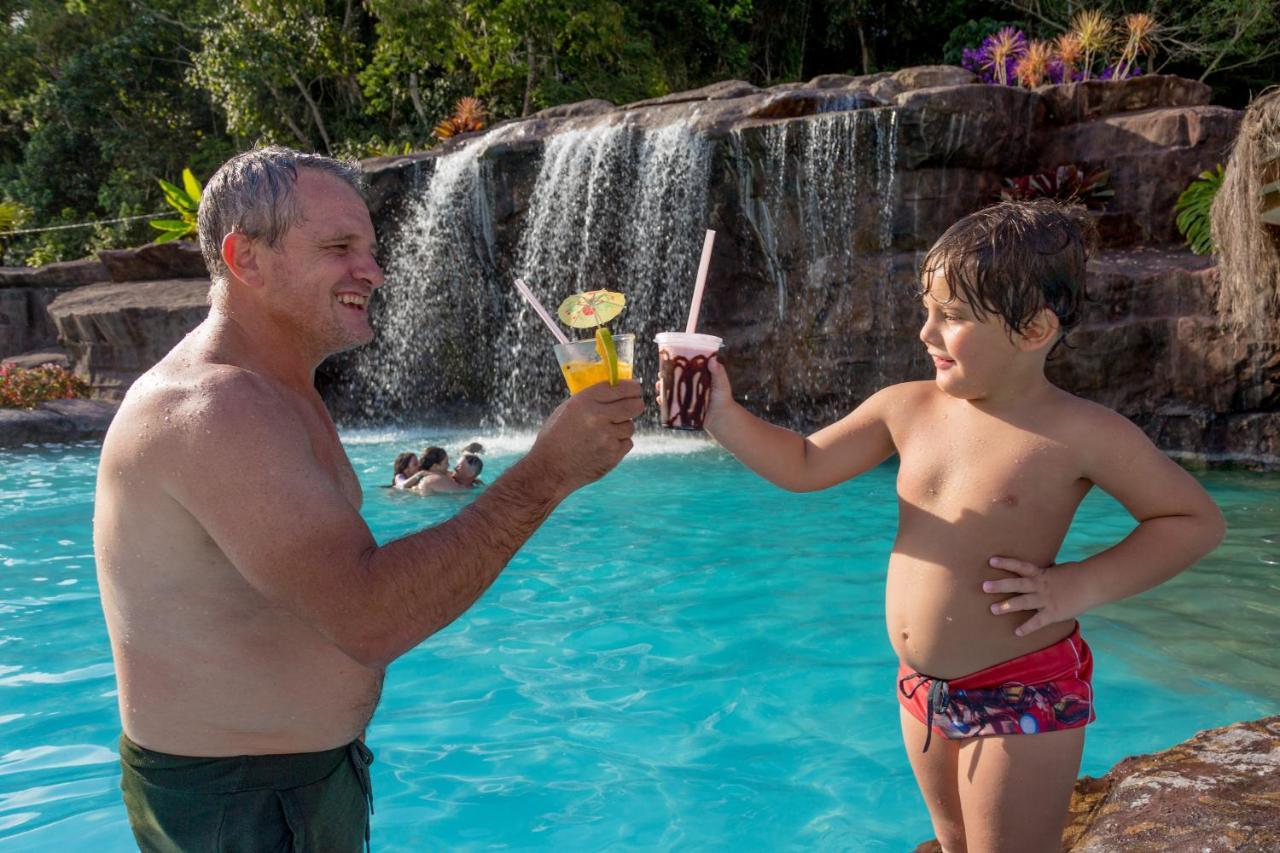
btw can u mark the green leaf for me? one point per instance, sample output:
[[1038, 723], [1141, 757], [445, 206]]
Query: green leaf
[[170, 225], [1194, 207], [191, 185], [168, 235]]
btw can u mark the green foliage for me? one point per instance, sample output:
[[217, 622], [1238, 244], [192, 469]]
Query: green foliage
[[1193, 208], [185, 200], [97, 96]]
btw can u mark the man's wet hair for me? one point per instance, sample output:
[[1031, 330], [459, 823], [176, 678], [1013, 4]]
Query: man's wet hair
[[474, 447], [432, 456], [472, 461], [253, 194], [1014, 259]]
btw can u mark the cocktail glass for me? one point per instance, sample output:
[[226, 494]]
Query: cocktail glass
[[583, 363]]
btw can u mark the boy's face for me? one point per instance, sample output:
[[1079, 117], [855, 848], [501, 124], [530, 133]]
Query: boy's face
[[971, 356]]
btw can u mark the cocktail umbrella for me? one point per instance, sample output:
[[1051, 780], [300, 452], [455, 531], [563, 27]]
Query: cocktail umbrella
[[591, 309]]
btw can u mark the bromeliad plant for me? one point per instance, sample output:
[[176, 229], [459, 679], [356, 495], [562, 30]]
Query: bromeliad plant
[[1009, 58], [186, 201], [1193, 208], [1070, 184], [468, 115], [23, 388]]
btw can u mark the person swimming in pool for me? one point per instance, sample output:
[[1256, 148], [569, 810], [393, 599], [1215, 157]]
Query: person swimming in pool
[[994, 676]]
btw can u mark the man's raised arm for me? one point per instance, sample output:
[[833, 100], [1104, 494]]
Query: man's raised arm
[[302, 544]]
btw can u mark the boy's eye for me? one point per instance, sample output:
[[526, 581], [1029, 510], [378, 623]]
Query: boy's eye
[[951, 316]]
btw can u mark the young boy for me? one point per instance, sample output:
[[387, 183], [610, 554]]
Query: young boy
[[994, 680]]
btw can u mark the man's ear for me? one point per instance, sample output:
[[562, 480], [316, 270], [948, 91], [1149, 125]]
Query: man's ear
[[241, 254], [1042, 331]]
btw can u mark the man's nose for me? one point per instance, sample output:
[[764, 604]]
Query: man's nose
[[370, 273]]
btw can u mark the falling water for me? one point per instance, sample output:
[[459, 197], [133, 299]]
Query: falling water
[[613, 206], [428, 318]]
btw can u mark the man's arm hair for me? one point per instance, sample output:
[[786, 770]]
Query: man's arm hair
[[301, 543]]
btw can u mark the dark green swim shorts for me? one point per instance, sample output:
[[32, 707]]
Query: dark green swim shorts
[[311, 801]]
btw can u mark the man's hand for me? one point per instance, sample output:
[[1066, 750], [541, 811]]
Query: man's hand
[[1054, 595], [589, 433]]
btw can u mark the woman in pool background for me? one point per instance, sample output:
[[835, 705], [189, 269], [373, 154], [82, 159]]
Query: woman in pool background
[[405, 466]]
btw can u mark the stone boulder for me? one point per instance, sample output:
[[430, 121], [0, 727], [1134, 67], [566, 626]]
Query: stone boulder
[[973, 126], [1214, 793], [725, 89], [155, 261], [591, 107], [25, 294], [116, 331], [1086, 100], [930, 76], [1152, 155], [62, 276], [56, 420]]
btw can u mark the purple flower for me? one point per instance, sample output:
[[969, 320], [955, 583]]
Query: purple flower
[[1109, 73]]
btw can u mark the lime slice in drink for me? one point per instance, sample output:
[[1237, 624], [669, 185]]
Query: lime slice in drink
[[609, 355]]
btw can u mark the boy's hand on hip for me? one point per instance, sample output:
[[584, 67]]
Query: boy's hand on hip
[[1052, 594]]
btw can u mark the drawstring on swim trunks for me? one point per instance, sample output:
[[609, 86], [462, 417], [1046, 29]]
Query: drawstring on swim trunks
[[361, 757], [939, 699]]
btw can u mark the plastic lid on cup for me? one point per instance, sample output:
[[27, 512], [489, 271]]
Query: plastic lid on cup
[[694, 340]]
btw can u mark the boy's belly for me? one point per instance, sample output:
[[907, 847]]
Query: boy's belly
[[940, 621]]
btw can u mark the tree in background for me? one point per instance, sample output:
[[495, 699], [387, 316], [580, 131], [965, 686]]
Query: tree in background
[[99, 98], [94, 106]]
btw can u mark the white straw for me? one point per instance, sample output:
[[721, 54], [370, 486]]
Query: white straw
[[701, 283], [542, 312]]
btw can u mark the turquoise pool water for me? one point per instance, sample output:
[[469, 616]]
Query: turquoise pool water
[[712, 673]]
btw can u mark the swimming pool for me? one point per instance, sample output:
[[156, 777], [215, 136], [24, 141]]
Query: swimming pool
[[683, 657]]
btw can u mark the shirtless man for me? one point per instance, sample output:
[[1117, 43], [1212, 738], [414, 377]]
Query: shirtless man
[[251, 612]]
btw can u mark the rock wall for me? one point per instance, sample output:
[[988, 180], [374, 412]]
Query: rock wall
[[824, 196]]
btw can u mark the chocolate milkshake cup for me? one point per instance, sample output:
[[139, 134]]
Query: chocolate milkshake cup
[[686, 378]]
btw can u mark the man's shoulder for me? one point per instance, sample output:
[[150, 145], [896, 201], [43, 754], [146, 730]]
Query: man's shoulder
[[172, 402]]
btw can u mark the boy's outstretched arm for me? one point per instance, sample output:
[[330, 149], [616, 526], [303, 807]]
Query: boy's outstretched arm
[[858, 442], [1178, 523]]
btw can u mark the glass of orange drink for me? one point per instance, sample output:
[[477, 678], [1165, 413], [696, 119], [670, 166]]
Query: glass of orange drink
[[584, 363]]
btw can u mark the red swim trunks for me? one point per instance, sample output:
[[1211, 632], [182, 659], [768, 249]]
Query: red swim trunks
[[1043, 691]]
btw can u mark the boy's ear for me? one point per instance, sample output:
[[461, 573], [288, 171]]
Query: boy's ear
[[1042, 331], [240, 253]]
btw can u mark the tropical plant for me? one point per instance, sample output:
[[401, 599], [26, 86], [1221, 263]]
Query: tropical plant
[[1193, 208], [1070, 184], [185, 200], [1033, 67], [23, 388], [468, 116], [1095, 32]]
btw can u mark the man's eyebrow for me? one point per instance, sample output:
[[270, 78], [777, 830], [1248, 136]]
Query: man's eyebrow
[[347, 238]]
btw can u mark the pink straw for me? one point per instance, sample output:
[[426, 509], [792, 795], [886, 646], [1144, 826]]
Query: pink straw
[[701, 283], [542, 312]]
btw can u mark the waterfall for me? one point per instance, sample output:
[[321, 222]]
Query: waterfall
[[612, 206]]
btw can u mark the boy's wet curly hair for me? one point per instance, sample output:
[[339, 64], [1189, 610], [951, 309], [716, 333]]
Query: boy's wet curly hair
[[1014, 259]]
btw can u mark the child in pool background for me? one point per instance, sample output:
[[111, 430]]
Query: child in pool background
[[994, 679]]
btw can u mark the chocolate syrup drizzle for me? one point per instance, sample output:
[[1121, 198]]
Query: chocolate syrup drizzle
[[686, 384]]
